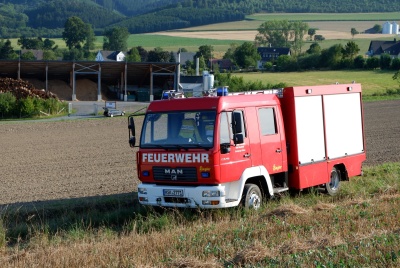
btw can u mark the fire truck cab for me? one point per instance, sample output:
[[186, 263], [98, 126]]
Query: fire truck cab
[[224, 149]]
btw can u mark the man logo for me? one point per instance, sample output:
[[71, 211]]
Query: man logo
[[174, 173]]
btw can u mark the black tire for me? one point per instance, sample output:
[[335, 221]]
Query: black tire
[[252, 197], [333, 186]]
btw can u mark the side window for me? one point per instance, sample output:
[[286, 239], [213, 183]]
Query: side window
[[267, 121], [225, 134], [243, 125]]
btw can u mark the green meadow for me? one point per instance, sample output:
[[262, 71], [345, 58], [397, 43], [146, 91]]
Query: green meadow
[[372, 81]]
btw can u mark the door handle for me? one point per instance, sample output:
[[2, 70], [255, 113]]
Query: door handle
[[246, 155], [278, 150]]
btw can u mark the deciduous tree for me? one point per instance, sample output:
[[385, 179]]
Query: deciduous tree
[[133, 55], [246, 55], [7, 51], [282, 34], [116, 39], [351, 50], [377, 28], [158, 55], [311, 32], [75, 32], [353, 32], [205, 51]]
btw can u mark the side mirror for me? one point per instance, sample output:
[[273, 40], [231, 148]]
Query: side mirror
[[238, 138], [225, 148], [237, 122], [132, 141], [132, 132], [237, 127]]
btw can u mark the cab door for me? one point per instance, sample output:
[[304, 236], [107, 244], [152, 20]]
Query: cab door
[[234, 153], [272, 141]]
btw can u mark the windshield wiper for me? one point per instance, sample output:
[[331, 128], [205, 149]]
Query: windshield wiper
[[199, 145], [186, 147], [167, 146]]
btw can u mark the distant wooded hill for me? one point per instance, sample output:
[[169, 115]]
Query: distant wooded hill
[[47, 17]]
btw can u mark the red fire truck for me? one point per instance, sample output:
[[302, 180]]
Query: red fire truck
[[227, 149]]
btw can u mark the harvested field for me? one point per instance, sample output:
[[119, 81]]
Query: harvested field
[[246, 31], [83, 158]]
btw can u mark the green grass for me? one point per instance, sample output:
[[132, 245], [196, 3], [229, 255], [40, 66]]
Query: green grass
[[170, 43], [357, 228], [372, 81]]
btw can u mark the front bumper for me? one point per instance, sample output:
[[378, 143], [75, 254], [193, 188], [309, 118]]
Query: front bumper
[[183, 196]]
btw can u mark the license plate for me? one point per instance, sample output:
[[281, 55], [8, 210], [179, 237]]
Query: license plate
[[173, 192]]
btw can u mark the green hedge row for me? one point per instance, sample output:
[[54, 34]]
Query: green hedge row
[[10, 107]]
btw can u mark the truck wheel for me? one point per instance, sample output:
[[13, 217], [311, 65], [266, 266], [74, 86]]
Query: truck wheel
[[332, 187], [252, 197]]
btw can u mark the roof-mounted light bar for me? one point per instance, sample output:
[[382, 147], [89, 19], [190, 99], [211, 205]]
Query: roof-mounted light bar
[[172, 94], [220, 91]]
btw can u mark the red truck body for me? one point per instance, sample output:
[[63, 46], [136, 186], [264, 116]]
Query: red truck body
[[221, 151]]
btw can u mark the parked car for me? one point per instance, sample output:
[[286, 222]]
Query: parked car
[[113, 112]]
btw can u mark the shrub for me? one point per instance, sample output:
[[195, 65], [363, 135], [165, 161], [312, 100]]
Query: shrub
[[26, 107], [385, 61], [346, 64], [7, 104], [372, 63], [39, 105], [51, 106], [237, 84], [286, 63], [308, 61], [395, 64], [268, 66], [359, 62]]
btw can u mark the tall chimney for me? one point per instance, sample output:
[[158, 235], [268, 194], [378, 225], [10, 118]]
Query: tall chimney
[[197, 66]]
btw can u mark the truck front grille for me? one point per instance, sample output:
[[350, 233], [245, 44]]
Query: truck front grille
[[181, 174]]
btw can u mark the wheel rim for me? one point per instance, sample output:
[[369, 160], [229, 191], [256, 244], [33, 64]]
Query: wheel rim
[[254, 201], [334, 183]]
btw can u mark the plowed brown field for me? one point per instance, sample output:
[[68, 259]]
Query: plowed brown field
[[83, 158]]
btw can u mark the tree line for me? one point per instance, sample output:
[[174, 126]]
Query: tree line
[[46, 18], [79, 38]]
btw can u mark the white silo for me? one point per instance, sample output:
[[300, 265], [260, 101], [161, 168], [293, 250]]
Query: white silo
[[387, 28], [395, 28]]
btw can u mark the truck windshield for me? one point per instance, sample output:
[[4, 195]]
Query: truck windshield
[[178, 130]]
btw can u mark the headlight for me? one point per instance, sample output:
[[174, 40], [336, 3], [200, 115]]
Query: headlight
[[142, 190], [210, 193]]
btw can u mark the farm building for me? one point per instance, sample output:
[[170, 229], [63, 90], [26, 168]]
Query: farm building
[[184, 57], [119, 75], [223, 64], [37, 53], [271, 54], [106, 55], [377, 47]]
